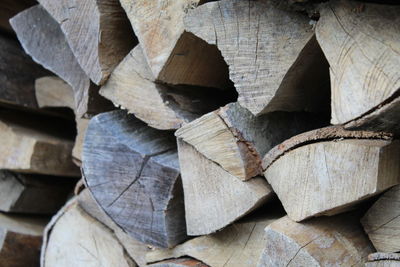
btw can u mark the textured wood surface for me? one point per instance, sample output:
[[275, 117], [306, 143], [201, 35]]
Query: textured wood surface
[[133, 172], [81, 126], [181, 262], [215, 198], [272, 54], [337, 241], [52, 91], [361, 55], [97, 31], [382, 221], [380, 259]]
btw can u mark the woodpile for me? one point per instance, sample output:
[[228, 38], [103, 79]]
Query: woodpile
[[199, 133]]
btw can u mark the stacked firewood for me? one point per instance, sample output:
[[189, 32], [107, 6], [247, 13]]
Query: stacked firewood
[[207, 133]]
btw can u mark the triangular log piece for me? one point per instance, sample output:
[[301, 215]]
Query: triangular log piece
[[133, 172], [273, 57]]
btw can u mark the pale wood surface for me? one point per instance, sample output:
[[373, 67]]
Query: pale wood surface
[[215, 198], [52, 91], [326, 178], [336, 241], [98, 33], [363, 51], [81, 126], [133, 172], [272, 54], [382, 221]]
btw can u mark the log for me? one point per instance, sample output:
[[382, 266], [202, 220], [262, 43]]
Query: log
[[329, 177], [380, 259], [37, 42], [98, 33], [73, 238], [81, 126], [361, 56], [236, 140], [273, 57], [132, 86], [382, 221], [336, 241], [181, 262], [214, 198], [9, 8], [32, 194], [21, 237], [133, 172], [240, 244], [53, 92], [173, 55], [32, 144]]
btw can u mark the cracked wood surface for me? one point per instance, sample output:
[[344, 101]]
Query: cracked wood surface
[[173, 55], [133, 172], [273, 57], [382, 221], [132, 86], [326, 178], [236, 140], [335, 241], [97, 31], [215, 198], [362, 56], [240, 244]]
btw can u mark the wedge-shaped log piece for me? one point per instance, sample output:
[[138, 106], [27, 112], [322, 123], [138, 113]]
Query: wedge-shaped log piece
[[173, 55], [27, 193], [133, 172], [240, 244], [273, 57], [27, 147], [382, 221], [214, 198], [21, 238], [47, 45], [132, 86], [181, 262], [236, 140], [380, 259], [74, 238], [328, 177], [361, 56], [97, 31], [336, 241], [53, 92]]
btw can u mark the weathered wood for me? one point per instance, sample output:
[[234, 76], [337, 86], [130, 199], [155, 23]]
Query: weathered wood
[[81, 126], [133, 172], [382, 221], [27, 193], [181, 262], [52, 91], [214, 198], [9, 8], [21, 238], [240, 244], [326, 178], [362, 56], [336, 241], [30, 144], [132, 86], [173, 55], [380, 259], [236, 140], [273, 57], [73, 238], [47, 45], [97, 31]]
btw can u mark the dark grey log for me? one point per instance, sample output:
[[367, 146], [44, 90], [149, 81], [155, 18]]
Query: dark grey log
[[133, 172]]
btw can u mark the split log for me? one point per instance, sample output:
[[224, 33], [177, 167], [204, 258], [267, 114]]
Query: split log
[[236, 140], [380, 259], [27, 193], [97, 31], [240, 244], [31, 145], [382, 221], [52, 91], [273, 57], [181, 262], [21, 238], [336, 241], [73, 238], [132, 86], [214, 198], [81, 126], [9, 8], [173, 55], [361, 56], [47, 45], [133, 172], [329, 177]]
